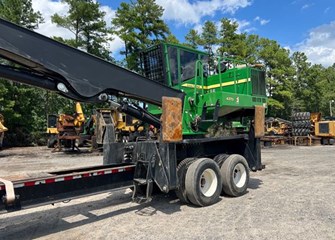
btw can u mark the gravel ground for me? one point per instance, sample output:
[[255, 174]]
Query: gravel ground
[[293, 198]]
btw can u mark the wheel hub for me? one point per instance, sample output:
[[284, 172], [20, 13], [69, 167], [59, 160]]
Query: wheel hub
[[239, 175], [208, 182]]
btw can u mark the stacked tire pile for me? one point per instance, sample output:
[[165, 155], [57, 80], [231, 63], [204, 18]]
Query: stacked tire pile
[[301, 124]]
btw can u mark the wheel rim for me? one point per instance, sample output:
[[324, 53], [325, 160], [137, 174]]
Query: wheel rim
[[239, 175], [208, 182]]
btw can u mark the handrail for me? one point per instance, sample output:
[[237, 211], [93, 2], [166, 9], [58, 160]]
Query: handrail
[[198, 71], [219, 65], [235, 63]]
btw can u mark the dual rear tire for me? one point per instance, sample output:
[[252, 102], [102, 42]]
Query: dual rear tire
[[202, 180], [235, 175]]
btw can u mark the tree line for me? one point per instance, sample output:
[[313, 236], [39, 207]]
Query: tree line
[[292, 82]]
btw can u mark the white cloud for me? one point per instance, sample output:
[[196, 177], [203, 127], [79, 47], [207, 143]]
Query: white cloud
[[116, 45], [109, 14], [185, 12], [244, 26], [261, 20], [320, 45], [198, 28], [49, 8]]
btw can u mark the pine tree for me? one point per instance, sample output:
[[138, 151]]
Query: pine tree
[[139, 24], [192, 39], [209, 36], [172, 39], [232, 43], [279, 77], [20, 12], [208, 40], [85, 21]]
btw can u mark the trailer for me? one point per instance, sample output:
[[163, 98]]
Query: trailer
[[189, 106]]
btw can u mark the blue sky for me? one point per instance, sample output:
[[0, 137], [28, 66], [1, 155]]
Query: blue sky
[[289, 20], [299, 25]]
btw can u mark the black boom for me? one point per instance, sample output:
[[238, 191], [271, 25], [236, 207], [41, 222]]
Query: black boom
[[72, 72]]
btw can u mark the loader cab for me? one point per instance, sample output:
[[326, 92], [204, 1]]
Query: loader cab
[[171, 64]]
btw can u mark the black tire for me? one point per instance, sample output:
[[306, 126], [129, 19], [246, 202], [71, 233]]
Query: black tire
[[298, 116], [293, 132], [219, 159], [233, 165], [308, 116], [294, 117], [52, 141], [181, 173], [324, 141], [203, 182], [303, 132]]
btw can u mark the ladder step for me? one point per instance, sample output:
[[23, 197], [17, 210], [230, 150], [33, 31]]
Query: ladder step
[[140, 181]]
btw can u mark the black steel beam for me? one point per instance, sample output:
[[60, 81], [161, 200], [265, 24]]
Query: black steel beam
[[26, 78], [85, 76]]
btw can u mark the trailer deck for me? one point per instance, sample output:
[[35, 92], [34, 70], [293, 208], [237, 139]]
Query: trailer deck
[[63, 185]]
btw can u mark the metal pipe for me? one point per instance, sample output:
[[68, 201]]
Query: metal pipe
[[27, 78], [330, 107], [139, 114]]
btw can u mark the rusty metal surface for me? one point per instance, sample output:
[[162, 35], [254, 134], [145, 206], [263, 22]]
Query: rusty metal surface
[[259, 121], [172, 119]]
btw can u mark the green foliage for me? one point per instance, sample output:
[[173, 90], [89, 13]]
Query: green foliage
[[275, 104], [208, 40], [172, 39], [85, 21], [139, 25], [21, 13], [192, 39], [209, 36], [21, 105], [230, 42], [279, 73]]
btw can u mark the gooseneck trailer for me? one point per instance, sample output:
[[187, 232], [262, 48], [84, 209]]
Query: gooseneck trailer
[[190, 110]]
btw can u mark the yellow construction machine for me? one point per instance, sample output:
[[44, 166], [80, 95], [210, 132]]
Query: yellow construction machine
[[277, 126], [65, 129], [72, 131], [125, 128], [325, 129]]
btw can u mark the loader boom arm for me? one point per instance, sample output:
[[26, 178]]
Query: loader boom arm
[[73, 73]]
